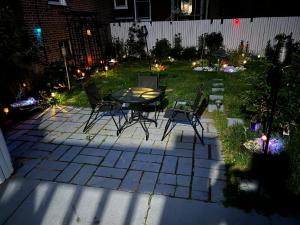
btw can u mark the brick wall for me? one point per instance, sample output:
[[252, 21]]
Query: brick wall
[[53, 22]]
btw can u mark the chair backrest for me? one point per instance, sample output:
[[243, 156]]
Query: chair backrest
[[148, 81], [92, 93], [202, 107], [196, 102]]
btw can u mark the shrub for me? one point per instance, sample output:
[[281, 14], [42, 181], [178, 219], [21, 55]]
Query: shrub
[[136, 41], [115, 49], [214, 41], [162, 48], [189, 53], [177, 49]]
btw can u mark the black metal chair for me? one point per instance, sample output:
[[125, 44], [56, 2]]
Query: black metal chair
[[151, 81], [184, 111], [99, 105]]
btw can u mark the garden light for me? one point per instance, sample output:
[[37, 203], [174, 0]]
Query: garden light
[[156, 65], [83, 74], [244, 61], [264, 138], [194, 64], [258, 56], [78, 71], [53, 94], [124, 56], [225, 65], [106, 68], [88, 32], [243, 55], [6, 110], [24, 85]]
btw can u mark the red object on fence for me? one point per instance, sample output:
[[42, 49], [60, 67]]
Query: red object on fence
[[89, 60], [236, 22]]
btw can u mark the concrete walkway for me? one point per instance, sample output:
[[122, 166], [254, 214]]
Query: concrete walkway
[[24, 201]]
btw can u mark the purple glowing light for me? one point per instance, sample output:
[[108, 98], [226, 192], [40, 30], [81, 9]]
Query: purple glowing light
[[255, 126], [22, 103], [275, 146], [229, 69]]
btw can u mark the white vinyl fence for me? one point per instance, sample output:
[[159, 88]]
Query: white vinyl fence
[[257, 32]]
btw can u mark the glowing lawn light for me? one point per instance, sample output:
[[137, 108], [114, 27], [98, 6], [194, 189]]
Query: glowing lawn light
[[6, 110], [245, 61], [194, 63], [106, 68], [88, 32], [258, 56], [225, 65], [53, 94]]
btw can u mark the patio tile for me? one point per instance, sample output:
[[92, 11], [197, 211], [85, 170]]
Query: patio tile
[[164, 189], [29, 138], [169, 164], [43, 174], [85, 159], [12, 146], [57, 119], [148, 182], [110, 172], [167, 179], [183, 180], [27, 167], [76, 142], [179, 152], [60, 138], [125, 160], [213, 164], [43, 125], [108, 142], [184, 166], [217, 191], [35, 154], [200, 195], [182, 192], [44, 147], [103, 182], [58, 152], [84, 174], [145, 166], [131, 181], [201, 151], [17, 134], [81, 136], [148, 158], [127, 144], [200, 184], [210, 173], [53, 126], [97, 140], [111, 158], [71, 154], [69, 172], [68, 127], [52, 165], [94, 152]]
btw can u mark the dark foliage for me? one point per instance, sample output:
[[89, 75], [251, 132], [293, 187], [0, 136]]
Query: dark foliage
[[162, 48]]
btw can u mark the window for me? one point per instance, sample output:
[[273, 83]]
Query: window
[[57, 2], [120, 4], [142, 10], [186, 7]]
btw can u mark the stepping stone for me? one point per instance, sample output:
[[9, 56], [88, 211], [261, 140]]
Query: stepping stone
[[217, 80], [217, 89], [216, 97], [212, 108], [217, 84], [248, 185], [234, 121]]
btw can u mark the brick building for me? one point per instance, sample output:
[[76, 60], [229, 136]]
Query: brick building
[[80, 26]]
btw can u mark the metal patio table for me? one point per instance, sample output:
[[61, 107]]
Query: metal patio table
[[137, 97]]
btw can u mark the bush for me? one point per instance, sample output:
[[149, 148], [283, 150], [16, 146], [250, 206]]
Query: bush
[[162, 48], [136, 41], [115, 49], [177, 49], [214, 41], [189, 53]]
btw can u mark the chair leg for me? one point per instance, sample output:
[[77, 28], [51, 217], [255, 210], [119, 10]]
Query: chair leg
[[89, 124], [193, 124], [166, 131]]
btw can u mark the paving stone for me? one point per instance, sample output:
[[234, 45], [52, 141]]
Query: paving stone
[[52, 165], [217, 89], [179, 152], [27, 167], [183, 180], [234, 121], [29, 138], [76, 142], [12, 146], [86, 159], [216, 152], [71, 154], [182, 192], [184, 166], [145, 166], [164, 189], [69, 172], [110, 172], [212, 128], [94, 152], [179, 145], [103, 182], [125, 160], [81, 136], [127, 144], [213, 108], [84, 174], [58, 152], [217, 191], [53, 126], [131, 181], [213, 164], [148, 158], [148, 182], [111, 158], [68, 127], [35, 154], [167, 179], [216, 97], [200, 195], [201, 151], [169, 164], [44, 147], [200, 184], [248, 185], [43, 125], [96, 141], [38, 133], [217, 84], [108, 142], [60, 138], [43, 174]]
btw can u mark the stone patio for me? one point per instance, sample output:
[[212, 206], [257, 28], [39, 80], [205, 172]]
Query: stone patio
[[52, 147]]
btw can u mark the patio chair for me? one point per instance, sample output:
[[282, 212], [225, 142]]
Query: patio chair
[[99, 105], [152, 82], [186, 112]]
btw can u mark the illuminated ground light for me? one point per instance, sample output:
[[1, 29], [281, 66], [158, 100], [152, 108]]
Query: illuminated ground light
[[6, 110], [194, 63]]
